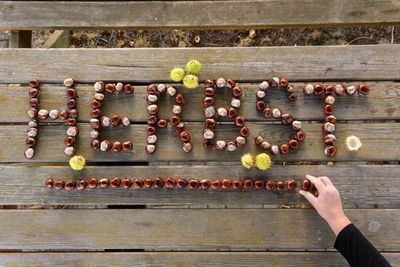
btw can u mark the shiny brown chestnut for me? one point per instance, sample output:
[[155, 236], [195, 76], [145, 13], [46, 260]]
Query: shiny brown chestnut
[[267, 113], [286, 119], [247, 184], [331, 119], [69, 141], [205, 184], [306, 185], [170, 182], [184, 136], [95, 104], [293, 144], [363, 89], [115, 120], [244, 131], [31, 142], [179, 99], [226, 184], [115, 182], [259, 184], [162, 123], [110, 88], [236, 91], [81, 184], [158, 182], [70, 185], [240, 121], [193, 184], [180, 128], [329, 90], [300, 135], [319, 89], [34, 102], [208, 143], [258, 140], [260, 105], [138, 183], [292, 97], [209, 83], [331, 151], [209, 91], [49, 183], [291, 184], [117, 147], [328, 109], [270, 185], [231, 83], [280, 186], [95, 144], [104, 183], [63, 115], [34, 92], [71, 103], [126, 183], [232, 112], [284, 148], [92, 183], [148, 182], [175, 120], [283, 82], [71, 93], [151, 130], [181, 183], [34, 83], [152, 119], [208, 101], [215, 184], [128, 89], [237, 184], [210, 123], [59, 184]]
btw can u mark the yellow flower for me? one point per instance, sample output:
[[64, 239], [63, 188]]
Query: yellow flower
[[247, 161], [353, 143], [190, 81], [263, 161], [193, 66], [177, 74], [77, 163]]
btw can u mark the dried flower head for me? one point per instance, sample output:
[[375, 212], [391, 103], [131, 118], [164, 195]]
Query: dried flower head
[[248, 161], [263, 161], [353, 143], [77, 163], [177, 74]]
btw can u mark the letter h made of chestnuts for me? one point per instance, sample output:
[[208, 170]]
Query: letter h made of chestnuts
[[70, 116], [99, 121]]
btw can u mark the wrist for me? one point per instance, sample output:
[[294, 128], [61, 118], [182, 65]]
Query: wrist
[[338, 223]]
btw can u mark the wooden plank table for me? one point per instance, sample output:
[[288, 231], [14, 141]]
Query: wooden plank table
[[133, 227]]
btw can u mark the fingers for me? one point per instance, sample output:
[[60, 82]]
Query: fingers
[[326, 180], [310, 197], [316, 181]]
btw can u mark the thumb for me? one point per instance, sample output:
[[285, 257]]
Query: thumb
[[310, 197]]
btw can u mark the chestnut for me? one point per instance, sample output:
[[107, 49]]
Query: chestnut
[[283, 82], [231, 146], [152, 119], [117, 147], [220, 145], [329, 100], [247, 184], [210, 123], [127, 182], [175, 120], [59, 184], [236, 91], [95, 113], [72, 131], [152, 139], [148, 182], [180, 128], [328, 109], [73, 113], [259, 184], [115, 182], [296, 125], [81, 184], [258, 140], [184, 136], [152, 89], [240, 141], [306, 185], [176, 109], [105, 145], [308, 89], [240, 121], [68, 82], [158, 182], [209, 83], [205, 184], [34, 92], [31, 142], [69, 141], [284, 148], [209, 111], [208, 143], [264, 86], [220, 83], [244, 131], [215, 184], [265, 145], [329, 90], [138, 183], [171, 90], [63, 115], [231, 83], [181, 183], [286, 119], [351, 90], [292, 97], [300, 135], [151, 130], [235, 103], [71, 93], [291, 184], [34, 83], [187, 147], [115, 120], [179, 99], [162, 88], [193, 184], [95, 104], [152, 109], [328, 127], [32, 132], [270, 185], [110, 88], [267, 113], [162, 123], [170, 182], [99, 86], [208, 101], [330, 151], [95, 144], [280, 186], [69, 151], [209, 91], [260, 95], [237, 184], [330, 139], [363, 89], [43, 114], [232, 112], [32, 113], [319, 89], [70, 185], [274, 82], [128, 89], [34, 102], [276, 113], [104, 183], [293, 144], [226, 184], [340, 89], [119, 87], [274, 149], [49, 183], [331, 119], [92, 183]]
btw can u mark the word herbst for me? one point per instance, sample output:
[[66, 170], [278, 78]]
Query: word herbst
[[211, 113]]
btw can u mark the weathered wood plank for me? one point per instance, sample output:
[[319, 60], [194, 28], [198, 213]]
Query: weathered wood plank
[[196, 14], [221, 259], [187, 229], [58, 39], [361, 186], [243, 64], [380, 143], [381, 103]]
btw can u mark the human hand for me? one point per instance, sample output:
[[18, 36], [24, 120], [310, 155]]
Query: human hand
[[327, 203]]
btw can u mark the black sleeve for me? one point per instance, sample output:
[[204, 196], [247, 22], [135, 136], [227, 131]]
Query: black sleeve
[[357, 250]]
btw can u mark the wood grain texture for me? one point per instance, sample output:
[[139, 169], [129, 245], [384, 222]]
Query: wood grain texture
[[187, 229], [22, 185], [195, 14], [380, 143], [381, 103], [145, 65], [195, 259]]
